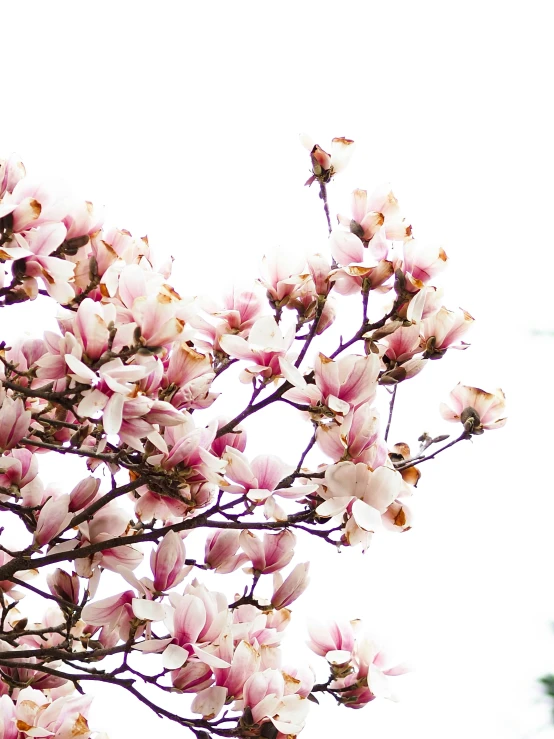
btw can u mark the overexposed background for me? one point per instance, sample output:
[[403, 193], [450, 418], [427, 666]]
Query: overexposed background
[[182, 119]]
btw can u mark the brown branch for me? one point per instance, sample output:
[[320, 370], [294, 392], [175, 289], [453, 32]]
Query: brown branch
[[418, 460]]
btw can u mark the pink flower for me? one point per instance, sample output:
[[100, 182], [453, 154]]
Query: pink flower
[[331, 636], [265, 345], [341, 385], [272, 553], [325, 165], [440, 330], [198, 618], [258, 479], [244, 661], [91, 326], [368, 680], [19, 468], [109, 612], [52, 520], [475, 408], [220, 553], [11, 172], [14, 421], [83, 494], [192, 677], [403, 343], [361, 492], [356, 439], [167, 562], [63, 585], [423, 262], [158, 318], [285, 593], [265, 695], [348, 280], [8, 728], [235, 439], [378, 211], [64, 717]]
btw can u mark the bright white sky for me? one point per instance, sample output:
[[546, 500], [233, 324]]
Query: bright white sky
[[183, 121]]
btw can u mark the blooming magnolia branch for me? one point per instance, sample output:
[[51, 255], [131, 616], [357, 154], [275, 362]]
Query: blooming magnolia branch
[[129, 386]]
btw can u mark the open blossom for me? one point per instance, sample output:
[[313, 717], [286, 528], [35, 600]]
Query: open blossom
[[258, 480], [220, 553], [341, 385], [403, 343], [242, 661], [92, 323], [356, 439], [19, 471], [325, 165], [442, 329], [283, 274], [110, 612], [56, 274], [64, 585], [423, 262], [372, 213], [331, 636], [196, 618], [265, 694], [265, 346], [475, 408], [269, 554], [369, 677], [362, 493], [287, 591]]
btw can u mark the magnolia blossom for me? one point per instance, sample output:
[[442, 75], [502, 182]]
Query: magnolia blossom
[[14, 421], [64, 717], [326, 165], [19, 471], [423, 262], [369, 677], [360, 492], [475, 408], [167, 562], [376, 213], [264, 694], [283, 274], [342, 385], [331, 636], [356, 439], [221, 551], [272, 553], [258, 480], [443, 329], [265, 346], [287, 591]]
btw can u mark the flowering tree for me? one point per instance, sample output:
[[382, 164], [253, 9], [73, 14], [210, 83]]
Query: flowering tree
[[130, 384]]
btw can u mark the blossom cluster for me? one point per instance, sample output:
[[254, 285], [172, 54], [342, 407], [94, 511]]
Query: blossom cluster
[[129, 383]]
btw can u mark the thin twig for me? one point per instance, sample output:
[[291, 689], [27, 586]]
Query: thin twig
[[391, 408]]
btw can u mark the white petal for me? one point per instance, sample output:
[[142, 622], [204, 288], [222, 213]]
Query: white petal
[[333, 506], [148, 610], [367, 517], [291, 373], [174, 657]]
